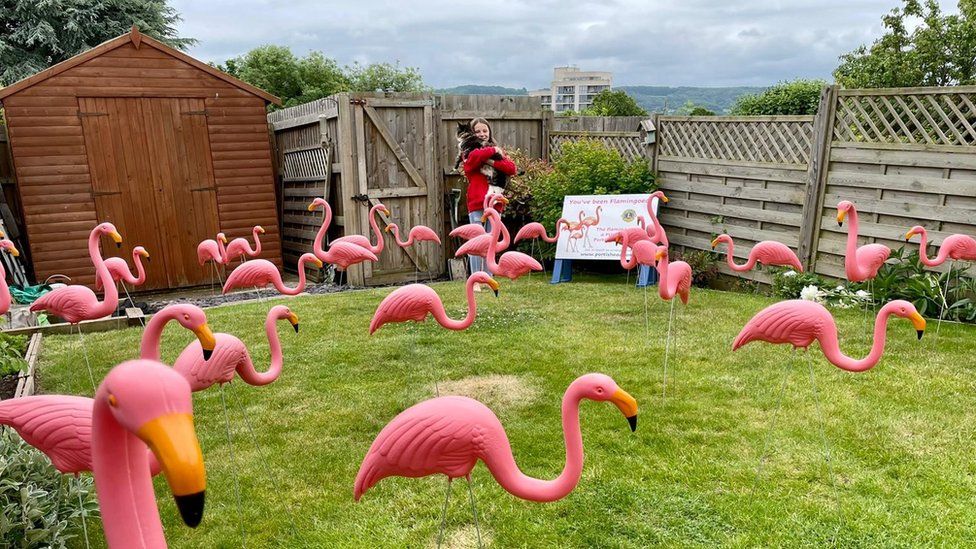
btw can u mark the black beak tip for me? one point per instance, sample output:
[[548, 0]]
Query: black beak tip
[[632, 420], [207, 353], [496, 293], [191, 508], [920, 332], [296, 327], [840, 223], [118, 245]]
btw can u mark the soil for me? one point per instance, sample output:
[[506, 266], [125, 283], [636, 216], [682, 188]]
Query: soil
[[8, 384]]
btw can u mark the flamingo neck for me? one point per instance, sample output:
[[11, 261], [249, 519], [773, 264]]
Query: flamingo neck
[[664, 289], [503, 467], [320, 236], [493, 243], [110, 295], [396, 236], [140, 271], [257, 243], [123, 483], [624, 262], [730, 260], [150, 348], [441, 315], [851, 265], [831, 347], [376, 231], [222, 250], [253, 377], [555, 238], [659, 235], [280, 284], [923, 255]]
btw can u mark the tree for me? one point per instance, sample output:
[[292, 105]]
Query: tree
[[276, 70], [795, 97], [614, 103], [384, 77], [940, 51], [38, 34], [692, 109]]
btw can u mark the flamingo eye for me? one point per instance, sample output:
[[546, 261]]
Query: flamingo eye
[[599, 390], [186, 317], [112, 401]]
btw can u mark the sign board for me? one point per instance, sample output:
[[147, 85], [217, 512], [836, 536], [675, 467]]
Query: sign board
[[602, 216]]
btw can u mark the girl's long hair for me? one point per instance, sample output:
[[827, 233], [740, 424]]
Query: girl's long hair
[[479, 120]]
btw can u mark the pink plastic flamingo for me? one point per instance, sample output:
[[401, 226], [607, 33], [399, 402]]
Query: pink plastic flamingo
[[656, 231], [230, 355], [190, 317], [766, 252], [240, 247], [958, 247], [5, 299], [258, 273], [76, 302], [448, 435], [472, 230], [340, 254], [643, 252], [213, 250], [674, 278], [419, 233], [511, 265], [119, 269], [799, 322], [362, 241], [478, 246], [142, 406], [416, 301], [535, 230], [860, 262]]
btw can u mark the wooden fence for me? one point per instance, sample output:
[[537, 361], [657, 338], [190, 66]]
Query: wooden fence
[[903, 156]]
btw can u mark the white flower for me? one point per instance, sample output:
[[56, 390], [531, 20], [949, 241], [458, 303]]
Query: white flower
[[810, 293], [839, 288], [790, 273], [863, 294]]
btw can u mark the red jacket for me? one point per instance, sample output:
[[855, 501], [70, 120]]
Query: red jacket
[[477, 181]]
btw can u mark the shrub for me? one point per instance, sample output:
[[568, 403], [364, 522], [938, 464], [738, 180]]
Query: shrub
[[586, 167], [795, 97], [703, 265], [12, 350], [39, 507]]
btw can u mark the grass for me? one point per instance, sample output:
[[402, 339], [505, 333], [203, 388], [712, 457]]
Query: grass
[[900, 435]]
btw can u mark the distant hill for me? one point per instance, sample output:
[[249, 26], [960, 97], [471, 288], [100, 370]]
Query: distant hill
[[655, 98], [472, 89]]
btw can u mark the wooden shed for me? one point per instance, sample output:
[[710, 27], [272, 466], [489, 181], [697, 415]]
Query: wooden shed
[[164, 146]]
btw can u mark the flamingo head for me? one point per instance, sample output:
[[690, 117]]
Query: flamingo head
[[917, 229], [382, 209], [139, 250], [660, 196], [310, 258], [721, 238], [280, 312], [392, 227], [316, 203], [843, 208], [258, 229], [661, 254], [484, 278], [153, 402], [905, 309], [617, 238], [602, 388], [9, 246], [110, 231], [194, 319], [222, 237]]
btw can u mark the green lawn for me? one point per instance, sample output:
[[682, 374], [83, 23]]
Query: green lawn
[[901, 435]]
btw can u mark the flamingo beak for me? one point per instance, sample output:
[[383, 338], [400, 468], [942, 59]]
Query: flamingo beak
[[293, 318], [484, 217], [493, 285], [117, 238], [909, 235], [13, 251], [223, 239], [207, 340], [841, 216], [659, 255], [311, 207], [260, 229], [317, 262], [664, 198], [714, 243], [919, 323], [389, 228], [386, 211], [174, 442], [627, 405]]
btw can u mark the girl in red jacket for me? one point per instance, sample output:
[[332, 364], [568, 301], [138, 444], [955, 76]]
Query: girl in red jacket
[[478, 181]]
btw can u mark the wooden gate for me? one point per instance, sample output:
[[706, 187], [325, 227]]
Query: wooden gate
[[152, 176], [390, 147]]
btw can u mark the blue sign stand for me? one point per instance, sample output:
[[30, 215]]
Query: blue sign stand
[[646, 276], [562, 271]]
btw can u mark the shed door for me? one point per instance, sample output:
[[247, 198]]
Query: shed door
[[152, 176]]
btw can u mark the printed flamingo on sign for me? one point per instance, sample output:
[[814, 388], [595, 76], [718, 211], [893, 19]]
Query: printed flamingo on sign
[[860, 262], [141, 408], [957, 247], [511, 265], [5, 299], [766, 252], [230, 356], [588, 222], [799, 322], [240, 247], [362, 241], [259, 273], [416, 301], [448, 435]]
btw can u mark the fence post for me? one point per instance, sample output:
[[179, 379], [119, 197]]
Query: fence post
[[817, 177], [546, 128], [655, 120]]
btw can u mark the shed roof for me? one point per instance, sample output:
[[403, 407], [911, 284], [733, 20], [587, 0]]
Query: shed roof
[[137, 39]]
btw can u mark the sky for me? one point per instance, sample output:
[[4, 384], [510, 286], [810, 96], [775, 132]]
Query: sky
[[517, 43]]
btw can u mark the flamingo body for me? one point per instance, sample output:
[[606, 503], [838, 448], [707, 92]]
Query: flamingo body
[[416, 301], [58, 425], [241, 247], [860, 262], [469, 231], [362, 241], [448, 435], [958, 247], [766, 252], [419, 233], [119, 269], [511, 265], [535, 230], [345, 254], [212, 250], [259, 273], [673, 278], [799, 323]]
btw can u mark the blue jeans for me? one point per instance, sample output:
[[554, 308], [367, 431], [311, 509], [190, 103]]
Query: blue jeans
[[477, 263]]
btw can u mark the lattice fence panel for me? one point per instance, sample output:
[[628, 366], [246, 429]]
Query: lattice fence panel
[[926, 116], [774, 140], [630, 146]]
